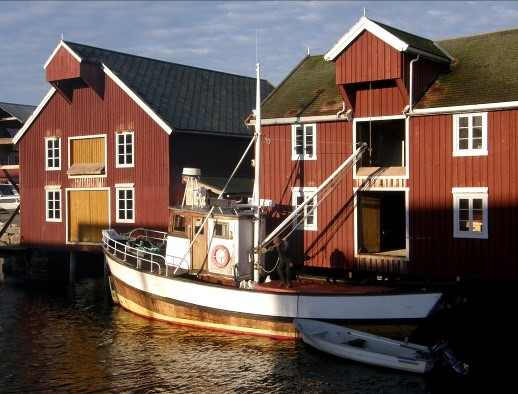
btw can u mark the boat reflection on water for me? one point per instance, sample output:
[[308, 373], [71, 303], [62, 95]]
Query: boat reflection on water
[[74, 340]]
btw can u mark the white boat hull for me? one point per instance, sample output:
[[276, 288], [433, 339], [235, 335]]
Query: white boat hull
[[195, 303]]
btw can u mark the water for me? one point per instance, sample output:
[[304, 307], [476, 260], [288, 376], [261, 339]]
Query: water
[[73, 340]]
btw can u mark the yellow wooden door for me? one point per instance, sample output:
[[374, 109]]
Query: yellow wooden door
[[371, 223], [87, 215]]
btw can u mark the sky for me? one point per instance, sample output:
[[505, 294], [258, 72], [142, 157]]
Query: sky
[[228, 36]]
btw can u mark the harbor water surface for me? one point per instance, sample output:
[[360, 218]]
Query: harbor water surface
[[72, 339]]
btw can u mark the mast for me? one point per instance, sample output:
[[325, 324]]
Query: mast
[[257, 178]]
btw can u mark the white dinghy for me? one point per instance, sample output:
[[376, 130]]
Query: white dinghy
[[373, 349]]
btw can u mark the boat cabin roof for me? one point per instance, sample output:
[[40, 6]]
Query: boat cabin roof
[[222, 207]]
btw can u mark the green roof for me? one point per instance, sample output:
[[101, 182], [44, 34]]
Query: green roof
[[483, 70], [416, 42], [309, 90]]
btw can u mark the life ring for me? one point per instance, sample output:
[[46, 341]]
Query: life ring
[[220, 256]]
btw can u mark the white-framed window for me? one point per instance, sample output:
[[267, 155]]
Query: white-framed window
[[470, 134], [306, 219], [53, 204], [124, 146], [52, 153], [304, 142], [470, 212], [125, 204]]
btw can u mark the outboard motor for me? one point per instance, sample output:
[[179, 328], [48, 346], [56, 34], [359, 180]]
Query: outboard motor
[[446, 353]]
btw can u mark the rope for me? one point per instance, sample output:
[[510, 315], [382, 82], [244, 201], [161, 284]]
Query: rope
[[325, 193]]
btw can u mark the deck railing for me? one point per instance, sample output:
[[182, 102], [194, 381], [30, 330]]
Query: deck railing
[[142, 248]]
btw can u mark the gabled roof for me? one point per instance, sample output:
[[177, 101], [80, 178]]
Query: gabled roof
[[309, 90], [398, 39], [484, 70], [19, 111], [183, 98]]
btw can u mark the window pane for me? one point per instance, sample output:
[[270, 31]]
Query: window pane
[[477, 204], [477, 138], [179, 223], [463, 144], [299, 141], [463, 225], [309, 140], [463, 121]]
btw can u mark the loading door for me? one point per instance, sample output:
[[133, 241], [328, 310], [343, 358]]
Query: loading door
[[87, 215], [370, 224]]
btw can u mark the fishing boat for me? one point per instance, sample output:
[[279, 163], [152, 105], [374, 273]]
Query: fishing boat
[[375, 350], [205, 270]]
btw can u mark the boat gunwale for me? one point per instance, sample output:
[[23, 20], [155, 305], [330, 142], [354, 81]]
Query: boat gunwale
[[339, 287]]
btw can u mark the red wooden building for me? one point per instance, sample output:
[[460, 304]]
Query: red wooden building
[[107, 145], [435, 194]]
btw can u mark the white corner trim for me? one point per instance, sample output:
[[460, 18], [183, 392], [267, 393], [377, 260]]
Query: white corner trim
[[61, 44], [33, 116], [362, 25]]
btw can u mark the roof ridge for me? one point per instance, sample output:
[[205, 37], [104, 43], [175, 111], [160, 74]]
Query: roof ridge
[[159, 60], [478, 35]]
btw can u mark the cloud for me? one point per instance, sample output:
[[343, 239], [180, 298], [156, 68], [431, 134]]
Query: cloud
[[229, 36]]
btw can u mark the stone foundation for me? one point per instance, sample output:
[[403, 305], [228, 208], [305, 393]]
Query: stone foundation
[[11, 236]]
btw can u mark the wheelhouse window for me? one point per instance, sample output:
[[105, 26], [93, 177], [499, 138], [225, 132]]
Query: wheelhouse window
[[53, 205], [124, 148], [178, 224], [470, 213], [125, 204], [470, 134], [306, 219], [52, 153], [221, 230], [198, 226], [303, 141]]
